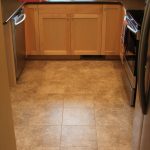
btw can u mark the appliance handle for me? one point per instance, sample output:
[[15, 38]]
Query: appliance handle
[[142, 58], [19, 22], [131, 29]]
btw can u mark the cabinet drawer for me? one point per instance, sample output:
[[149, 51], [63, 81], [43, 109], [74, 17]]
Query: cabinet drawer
[[76, 8], [85, 8], [46, 9]]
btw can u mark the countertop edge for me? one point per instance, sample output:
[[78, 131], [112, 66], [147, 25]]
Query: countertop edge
[[128, 5], [76, 2]]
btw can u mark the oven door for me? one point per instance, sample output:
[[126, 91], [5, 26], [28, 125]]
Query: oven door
[[130, 62], [130, 54]]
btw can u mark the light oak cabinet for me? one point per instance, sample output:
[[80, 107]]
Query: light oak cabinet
[[54, 34], [32, 30], [73, 29], [112, 27], [85, 34]]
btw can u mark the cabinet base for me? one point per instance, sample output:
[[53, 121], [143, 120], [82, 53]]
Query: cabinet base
[[72, 57]]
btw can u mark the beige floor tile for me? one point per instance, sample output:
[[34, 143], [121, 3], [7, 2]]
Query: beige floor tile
[[49, 100], [54, 87], [45, 148], [37, 148], [118, 147], [24, 91], [77, 148], [30, 75], [78, 116], [75, 88], [79, 136], [107, 148], [22, 110], [109, 98], [124, 147], [112, 136], [110, 116], [38, 136], [46, 116], [78, 101], [21, 118], [106, 101], [87, 90]]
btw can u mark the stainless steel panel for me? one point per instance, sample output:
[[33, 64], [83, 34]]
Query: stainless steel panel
[[19, 43], [9, 7], [137, 124], [145, 139], [141, 128], [130, 83]]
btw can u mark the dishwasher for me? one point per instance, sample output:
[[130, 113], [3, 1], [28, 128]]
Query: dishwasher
[[18, 29]]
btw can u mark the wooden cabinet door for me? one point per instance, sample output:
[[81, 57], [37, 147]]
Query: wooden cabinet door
[[111, 29], [32, 30], [54, 34], [85, 34]]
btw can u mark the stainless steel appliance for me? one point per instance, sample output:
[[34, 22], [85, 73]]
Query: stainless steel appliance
[[141, 124], [9, 7], [12, 11], [131, 36], [19, 41]]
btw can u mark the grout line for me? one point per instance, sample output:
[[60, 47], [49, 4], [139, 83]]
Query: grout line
[[95, 124], [61, 124]]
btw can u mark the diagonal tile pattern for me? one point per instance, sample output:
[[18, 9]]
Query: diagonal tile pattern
[[71, 105]]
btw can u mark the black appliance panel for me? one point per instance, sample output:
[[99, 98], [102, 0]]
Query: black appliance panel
[[131, 38]]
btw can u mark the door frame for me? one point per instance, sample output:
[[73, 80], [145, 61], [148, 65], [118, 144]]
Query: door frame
[[7, 135]]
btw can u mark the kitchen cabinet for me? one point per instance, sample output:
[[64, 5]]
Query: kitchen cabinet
[[54, 28], [74, 29], [85, 34], [111, 29], [86, 23], [32, 30], [54, 34]]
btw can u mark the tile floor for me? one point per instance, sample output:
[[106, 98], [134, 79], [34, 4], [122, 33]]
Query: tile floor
[[71, 105]]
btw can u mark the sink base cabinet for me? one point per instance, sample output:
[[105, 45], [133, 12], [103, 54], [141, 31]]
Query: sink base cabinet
[[73, 29]]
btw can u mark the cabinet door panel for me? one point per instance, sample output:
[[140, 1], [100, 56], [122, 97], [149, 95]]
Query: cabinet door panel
[[85, 34], [112, 25], [54, 34], [32, 30]]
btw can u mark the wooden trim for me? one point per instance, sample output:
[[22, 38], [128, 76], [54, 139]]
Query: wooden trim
[[86, 16], [7, 135], [37, 34], [103, 31], [53, 57]]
